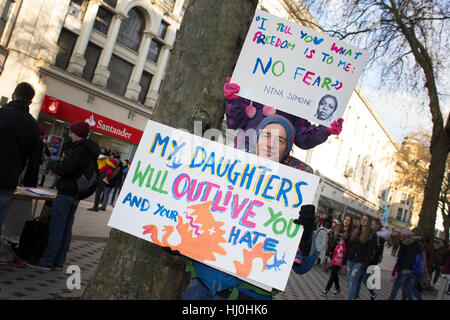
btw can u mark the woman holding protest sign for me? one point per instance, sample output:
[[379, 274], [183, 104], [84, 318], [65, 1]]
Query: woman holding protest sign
[[275, 138]]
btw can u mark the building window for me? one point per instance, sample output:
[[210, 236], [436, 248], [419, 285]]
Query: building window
[[5, 15], [131, 29], [154, 51], [91, 55], [146, 79], [120, 72], [405, 214], [399, 214], [66, 42], [103, 20], [163, 29], [403, 198], [77, 8]]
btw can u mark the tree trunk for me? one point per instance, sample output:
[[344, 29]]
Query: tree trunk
[[205, 52], [439, 150]]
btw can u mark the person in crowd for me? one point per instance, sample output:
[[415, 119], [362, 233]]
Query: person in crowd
[[358, 254], [381, 235], [439, 259], [336, 245], [126, 167], [321, 219], [395, 243], [66, 201], [20, 146], [106, 165], [114, 179], [327, 223], [46, 155], [410, 246], [275, 140], [120, 181]]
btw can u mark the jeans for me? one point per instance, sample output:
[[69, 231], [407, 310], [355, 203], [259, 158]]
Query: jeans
[[61, 222], [364, 278], [397, 285], [353, 276], [5, 200], [409, 281], [106, 197], [416, 291], [116, 188], [198, 291]]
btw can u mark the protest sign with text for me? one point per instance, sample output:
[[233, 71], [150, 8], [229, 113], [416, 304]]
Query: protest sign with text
[[296, 69], [218, 205]]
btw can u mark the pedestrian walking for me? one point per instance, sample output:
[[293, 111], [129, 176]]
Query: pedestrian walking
[[114, 180], [358, 253], [379, 235], [66, 202], [20, 146], [336, 265], [410, 246], [439, 259], [106, 165]]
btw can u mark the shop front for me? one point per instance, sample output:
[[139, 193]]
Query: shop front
[[56, 116]]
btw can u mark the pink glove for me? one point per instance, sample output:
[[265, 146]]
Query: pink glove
[[229, 90], [250, 110], [269, 111], [336, 126]]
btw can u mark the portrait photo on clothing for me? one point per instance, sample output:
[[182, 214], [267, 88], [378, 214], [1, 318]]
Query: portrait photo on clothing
[[326, 108]]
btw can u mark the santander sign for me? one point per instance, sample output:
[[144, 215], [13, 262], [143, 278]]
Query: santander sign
[[100, 124], [71, 113]]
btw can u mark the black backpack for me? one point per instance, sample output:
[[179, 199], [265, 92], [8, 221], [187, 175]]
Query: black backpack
[[89, 180]]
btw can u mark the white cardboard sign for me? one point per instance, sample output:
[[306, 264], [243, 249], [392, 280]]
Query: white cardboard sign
[[218, 205], [294, 69]]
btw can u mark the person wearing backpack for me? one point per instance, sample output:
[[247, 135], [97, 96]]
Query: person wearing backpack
[[410, 247], [83, 153]]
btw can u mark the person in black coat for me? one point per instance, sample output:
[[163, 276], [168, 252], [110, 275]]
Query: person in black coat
[[20, 146], [66, 201], [410, 246], [358, 254]]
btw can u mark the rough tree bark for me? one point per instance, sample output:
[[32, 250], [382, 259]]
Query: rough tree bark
[[205, 52]]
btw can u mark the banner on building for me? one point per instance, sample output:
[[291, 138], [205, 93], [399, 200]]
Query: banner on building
[[297, 70], [218, 205]]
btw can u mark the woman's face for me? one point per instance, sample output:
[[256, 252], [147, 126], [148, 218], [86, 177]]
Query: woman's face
[[326, 108], [374, 225], [347, 221], [272, 142], [364, 221]]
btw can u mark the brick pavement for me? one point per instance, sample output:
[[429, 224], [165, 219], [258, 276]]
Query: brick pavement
[[90, 233]]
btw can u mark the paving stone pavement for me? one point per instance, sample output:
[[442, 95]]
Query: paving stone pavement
[[90, 234]]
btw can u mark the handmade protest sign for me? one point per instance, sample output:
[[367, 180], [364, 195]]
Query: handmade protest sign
[[296, 69], [221, 206]]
